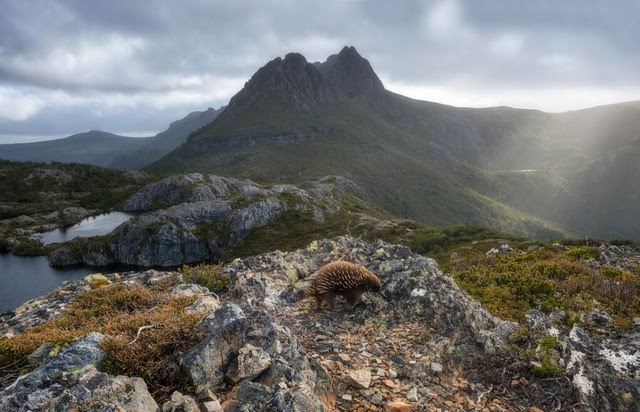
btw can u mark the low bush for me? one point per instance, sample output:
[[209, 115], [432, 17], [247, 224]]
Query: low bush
[[209, 276]]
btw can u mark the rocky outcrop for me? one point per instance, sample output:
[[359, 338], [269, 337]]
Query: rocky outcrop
[[265, 362], [417, 345], [202, 217], [70, 381]]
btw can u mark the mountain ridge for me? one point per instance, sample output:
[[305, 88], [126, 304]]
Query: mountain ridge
[[421, 160]]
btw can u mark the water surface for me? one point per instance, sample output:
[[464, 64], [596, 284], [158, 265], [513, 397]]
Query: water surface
[[26, 277], [91, 226]]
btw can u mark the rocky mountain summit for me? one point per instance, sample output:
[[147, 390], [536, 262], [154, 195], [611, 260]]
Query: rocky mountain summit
[[422, 344], [294, 84], [196, 217]]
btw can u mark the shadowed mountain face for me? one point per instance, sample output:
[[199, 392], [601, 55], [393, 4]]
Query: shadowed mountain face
[[107, 149], [518, 170], [159, 145]]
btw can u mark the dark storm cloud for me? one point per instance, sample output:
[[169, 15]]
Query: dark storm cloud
[[68, 66]]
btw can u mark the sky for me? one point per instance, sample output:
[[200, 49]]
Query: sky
[[132, 67]]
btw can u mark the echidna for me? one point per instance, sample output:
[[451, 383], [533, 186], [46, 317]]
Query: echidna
[[341, 278]]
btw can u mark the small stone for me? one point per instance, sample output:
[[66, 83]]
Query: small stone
[[412, 395], [205, 394], [534, 409], [389, 383], [393, 374], [360, 378], [436, 367], [344, 357], [347, 397], [397, 407], [212, 406], [380, 372]]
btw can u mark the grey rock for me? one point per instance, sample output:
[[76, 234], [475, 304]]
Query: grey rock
[[41, 354], [71, 381], [360, 378], [198, 218], [189, 289], [242, 346], [180, 403]]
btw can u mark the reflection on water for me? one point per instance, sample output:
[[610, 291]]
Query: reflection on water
[[91, 226], [23, 278]]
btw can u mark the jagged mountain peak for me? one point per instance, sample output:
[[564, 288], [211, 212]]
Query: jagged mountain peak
[[295, 84]]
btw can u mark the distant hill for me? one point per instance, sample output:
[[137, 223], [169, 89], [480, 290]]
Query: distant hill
[[94, 147], [523, 171], [154, 148], [107, 149]]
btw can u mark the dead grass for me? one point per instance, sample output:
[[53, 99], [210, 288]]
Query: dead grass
[[118, 311]]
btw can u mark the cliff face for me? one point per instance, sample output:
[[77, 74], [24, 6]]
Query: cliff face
[[421, 344]]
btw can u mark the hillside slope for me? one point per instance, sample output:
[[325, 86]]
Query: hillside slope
[[513, 169], [154, 148], [93, 147]]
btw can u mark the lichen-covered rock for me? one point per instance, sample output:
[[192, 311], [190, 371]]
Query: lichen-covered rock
[[246, 346], [180, 403], [70, 381], [412, 284], [197, 218]]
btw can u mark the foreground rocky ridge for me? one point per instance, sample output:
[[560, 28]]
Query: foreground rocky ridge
[[197, 217], [423, 344]]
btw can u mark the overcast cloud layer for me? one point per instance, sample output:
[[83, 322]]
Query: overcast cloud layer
[[134, 66]]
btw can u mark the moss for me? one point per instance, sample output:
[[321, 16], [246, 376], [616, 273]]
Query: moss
[[546, 368], [209, 276]]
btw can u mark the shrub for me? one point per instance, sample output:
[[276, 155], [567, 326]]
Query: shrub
[[209, 276], [118, 311], [583, 252]]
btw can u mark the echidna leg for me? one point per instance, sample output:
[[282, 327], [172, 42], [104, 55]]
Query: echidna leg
[[330, 298], [354, 298], [318, 302]]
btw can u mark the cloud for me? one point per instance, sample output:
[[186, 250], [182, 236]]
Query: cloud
[[71, 65]]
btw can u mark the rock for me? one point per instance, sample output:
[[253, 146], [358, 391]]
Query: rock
[[436, 367], [268, 350], [360, 378], [180, 403], [70, 381], [596, 317], [389, 383], [344, 357], [212, 406], [97, 278], [198, 218], [397, 407], [203, 304], [38, 356], [188, 289], [252, 361], [412, 394], [347, 397], [503, 248]]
